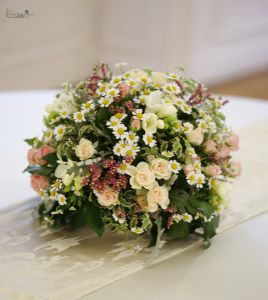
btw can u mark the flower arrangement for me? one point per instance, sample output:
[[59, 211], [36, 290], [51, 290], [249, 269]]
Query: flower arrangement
[[143, 151]]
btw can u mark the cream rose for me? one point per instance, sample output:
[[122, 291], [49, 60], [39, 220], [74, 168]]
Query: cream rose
[[158, 195], [108, 197], [160, 168], [141, 176], [222, 189], [195, 137], [149, 122], [85, 149], [158, 78]]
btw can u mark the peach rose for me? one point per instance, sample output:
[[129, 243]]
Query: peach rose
[[85, 149], [135, 124], [223, 152], [233, 142], [196, 136], [141, 176], [107, 198], [35, 156], [39, 182], [124, 89], [235, 168], [160, 168], [210, 146], [142, 202], [158, 195], [212, 170]]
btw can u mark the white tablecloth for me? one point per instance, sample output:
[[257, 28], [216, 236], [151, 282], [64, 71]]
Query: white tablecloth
[[219, 272]]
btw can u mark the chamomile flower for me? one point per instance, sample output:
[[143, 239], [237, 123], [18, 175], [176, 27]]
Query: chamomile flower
[[138, 114], [186, 108], [174, 166], [113, 122], [137, 230], [113, 93], [177, 218], [117, 149], [131, 151], [120, 116], [202, 124], [64, 114], [191, 178], [116, 80], [132, 83], [101, 91], [57, 212], [187, 127], [117, 219], [202, 113], [142, 99], [187, 218], [145, 79], [124, 146], [149, 139], [171, 88], [131, 137], [197, 165], [123, 167], [89, 105], [53, 194], [213, 127], [42, 193], [200, 180], [127, 75], [48, 135], [177, 125], [179, 102], [120, 131], [79, 117], [191, 152], [167, 154], [105, 101], [173, 76], [121, 65], [61, 199], [59, 132], [57, 184]]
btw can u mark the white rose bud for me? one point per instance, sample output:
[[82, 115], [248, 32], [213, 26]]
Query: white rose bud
[[195, 137]]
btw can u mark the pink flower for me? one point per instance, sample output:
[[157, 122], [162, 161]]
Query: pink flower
[[212, 170], [35, 156], [223, 152], [235, 168], [39, 182], [233, 142], [188, 169], [135, 124], [124, 89], [210, 146]]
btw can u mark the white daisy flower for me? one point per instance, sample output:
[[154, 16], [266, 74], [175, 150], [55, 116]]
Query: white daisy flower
[[61, 199], [123, 167], [120, 116], [120, 131], [64, 114], [191, 178], [149, 139], [113, 122], [177, 125], [213, 127], [116, 80], [119, 220], [145, 79], [167, 154], [173, 76], [127, 75], [101, 91], [132, 83], [202, 124], [179, 102], [57, 212], [197, 165], [187, 127], [202, 113], [177, 218], [121, 65], [131, 151], [117, 149], [132, 137], [49, 220], [138, 114], [187, 218], [59, 132], [174, 166], [113, 92], [191, 152], [137, 230], [105, 101], [53, 194], [57, 184], [89, 105], [200, 180], [48, 135], [186, 108], [171, 88], [79, 117], [124, 146]]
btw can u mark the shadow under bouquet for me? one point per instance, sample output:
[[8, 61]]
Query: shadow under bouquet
[[141, 151]]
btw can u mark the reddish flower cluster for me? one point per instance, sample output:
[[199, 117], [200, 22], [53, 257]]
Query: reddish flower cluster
[[106, 175]]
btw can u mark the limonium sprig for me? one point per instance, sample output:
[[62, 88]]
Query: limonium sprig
[[142, 152]]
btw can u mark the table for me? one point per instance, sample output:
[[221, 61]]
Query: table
[[236, 266]]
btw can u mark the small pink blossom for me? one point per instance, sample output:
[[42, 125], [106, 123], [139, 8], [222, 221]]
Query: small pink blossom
[[188, 169], [135, 124], [235, 169], [233, 142], [35, 156], [210, 146], [212, 170], [124, 89], [39, 182], [223, 152]]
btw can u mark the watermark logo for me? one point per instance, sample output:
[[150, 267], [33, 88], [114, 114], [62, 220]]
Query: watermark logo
[[10, 13]]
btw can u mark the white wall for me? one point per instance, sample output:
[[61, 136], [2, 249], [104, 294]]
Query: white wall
[[213, 40]]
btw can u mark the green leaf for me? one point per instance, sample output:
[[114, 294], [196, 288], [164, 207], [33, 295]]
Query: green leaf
[[153, 232], [92, 216], [102, 115], [210, 227], [39, 170], [77, 220], [126, 203], [202, 206], [179, 230], [30, 142], [179, 199], [51, 158]]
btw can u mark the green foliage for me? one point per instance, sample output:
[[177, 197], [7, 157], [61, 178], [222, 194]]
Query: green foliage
[[92, 217], [178, 230], [210, 228], [202, 206], [39, 170], [51, 159]]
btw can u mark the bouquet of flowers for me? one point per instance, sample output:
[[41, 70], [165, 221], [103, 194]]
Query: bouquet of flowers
[[141, 151]]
